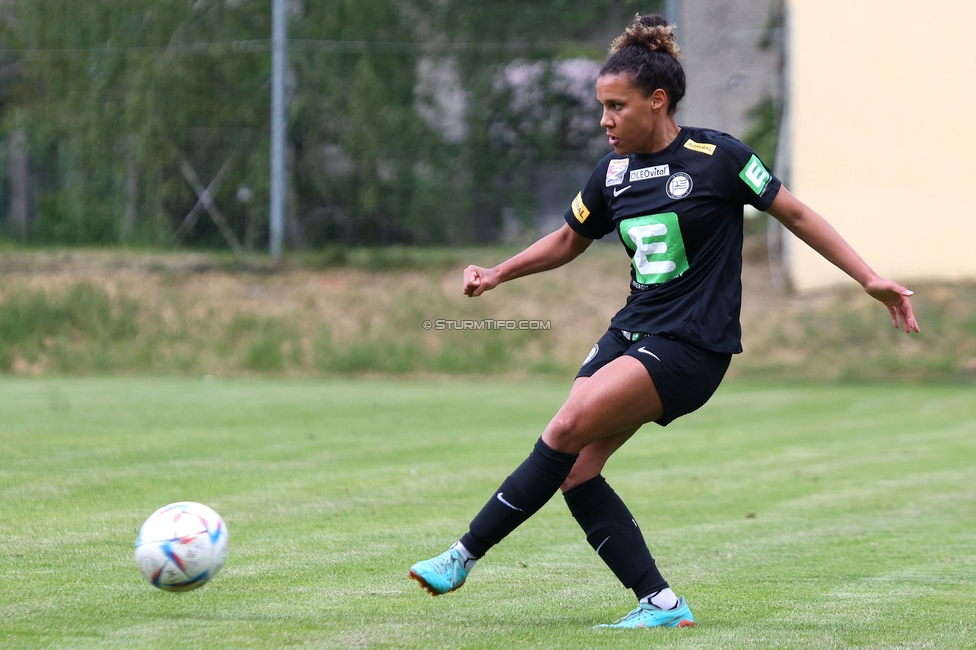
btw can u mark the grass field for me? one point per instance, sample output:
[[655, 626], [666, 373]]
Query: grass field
[[790, 516], [109, 312]]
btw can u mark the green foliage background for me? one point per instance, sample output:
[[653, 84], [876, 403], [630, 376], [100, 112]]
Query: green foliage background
[[117, 91]]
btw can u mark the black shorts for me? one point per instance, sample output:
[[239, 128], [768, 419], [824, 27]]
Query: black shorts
[[685, 376]]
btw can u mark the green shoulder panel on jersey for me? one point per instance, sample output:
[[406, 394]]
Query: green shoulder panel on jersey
[[755, 175]]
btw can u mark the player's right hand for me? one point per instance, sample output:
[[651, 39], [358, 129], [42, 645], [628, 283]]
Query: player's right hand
[[477, 280]]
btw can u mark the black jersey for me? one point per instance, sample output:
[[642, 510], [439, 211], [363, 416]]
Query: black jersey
[[678, 213]]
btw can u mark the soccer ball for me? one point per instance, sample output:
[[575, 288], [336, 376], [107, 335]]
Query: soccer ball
[[181, 546]]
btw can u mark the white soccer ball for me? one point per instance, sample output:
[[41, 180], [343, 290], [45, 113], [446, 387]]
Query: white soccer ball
[[181, 546]]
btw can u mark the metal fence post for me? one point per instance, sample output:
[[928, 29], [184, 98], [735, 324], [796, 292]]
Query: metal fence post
[[279, 37]]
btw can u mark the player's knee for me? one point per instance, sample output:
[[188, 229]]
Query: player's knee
[[566, 432]]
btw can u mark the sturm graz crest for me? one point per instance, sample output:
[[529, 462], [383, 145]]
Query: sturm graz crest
[[593, 351], [679, 185]]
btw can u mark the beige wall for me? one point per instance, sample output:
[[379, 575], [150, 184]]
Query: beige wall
[[884, 133]]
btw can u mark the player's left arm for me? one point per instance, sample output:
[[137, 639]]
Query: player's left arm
[[816, 232]]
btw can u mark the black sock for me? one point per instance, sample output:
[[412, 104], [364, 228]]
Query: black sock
[[526, 490], [614, 535]]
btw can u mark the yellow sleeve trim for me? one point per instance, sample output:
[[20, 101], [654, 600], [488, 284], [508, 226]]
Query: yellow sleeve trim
[[699, 147], [579, 209]]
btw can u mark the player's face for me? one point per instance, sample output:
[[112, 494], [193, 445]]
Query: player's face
[[629, 117]]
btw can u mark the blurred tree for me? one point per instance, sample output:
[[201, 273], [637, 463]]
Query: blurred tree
[[413, 121], [116, 94]]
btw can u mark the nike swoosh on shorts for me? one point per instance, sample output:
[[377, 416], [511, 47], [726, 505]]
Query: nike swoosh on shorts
[[646, 351]]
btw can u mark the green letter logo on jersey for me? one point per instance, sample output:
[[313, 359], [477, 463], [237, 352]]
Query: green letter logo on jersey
[[659, 250], [755, 175]]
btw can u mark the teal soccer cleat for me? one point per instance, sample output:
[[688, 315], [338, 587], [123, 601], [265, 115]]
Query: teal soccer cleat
[[442, 574], [650, 616]]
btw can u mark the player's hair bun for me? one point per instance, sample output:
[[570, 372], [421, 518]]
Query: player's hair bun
[[648, 54], [652, 32]]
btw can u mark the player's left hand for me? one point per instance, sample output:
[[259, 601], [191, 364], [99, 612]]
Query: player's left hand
[[895, 298]]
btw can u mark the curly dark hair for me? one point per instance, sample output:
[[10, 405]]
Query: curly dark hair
[[648, 53]]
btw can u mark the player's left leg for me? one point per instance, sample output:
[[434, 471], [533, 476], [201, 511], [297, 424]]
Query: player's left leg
[[618, 398], [525, 490]]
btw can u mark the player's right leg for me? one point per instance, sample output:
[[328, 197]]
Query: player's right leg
[[689, 376], [612, 532]]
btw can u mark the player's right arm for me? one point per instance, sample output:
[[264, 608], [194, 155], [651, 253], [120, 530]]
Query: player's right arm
[[550, 252]]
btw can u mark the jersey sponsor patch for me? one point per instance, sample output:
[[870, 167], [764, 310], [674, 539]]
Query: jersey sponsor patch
[[580, 210], [649, 172], [700, 147], [617, 170], [679, 185], [657, 247], [754, 175]]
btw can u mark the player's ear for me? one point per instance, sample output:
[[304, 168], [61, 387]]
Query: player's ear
[[659, 100]]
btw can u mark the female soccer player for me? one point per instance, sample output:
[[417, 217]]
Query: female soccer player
[[674, 196]]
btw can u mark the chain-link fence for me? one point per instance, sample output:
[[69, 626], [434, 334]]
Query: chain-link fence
[[147, 121]]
